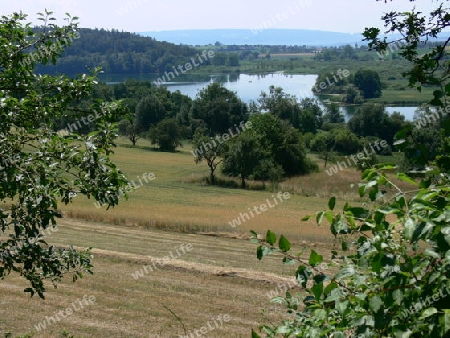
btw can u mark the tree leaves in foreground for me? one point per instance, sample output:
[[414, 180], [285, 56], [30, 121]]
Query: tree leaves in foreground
[[393, 276], [394, 266], [39, 168]]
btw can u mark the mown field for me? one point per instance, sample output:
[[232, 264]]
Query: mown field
[[219, 276]]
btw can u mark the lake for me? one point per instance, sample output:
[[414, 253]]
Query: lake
[[249, 87]]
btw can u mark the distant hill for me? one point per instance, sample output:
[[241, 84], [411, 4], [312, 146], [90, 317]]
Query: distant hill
[[119, 53], [257, 36]]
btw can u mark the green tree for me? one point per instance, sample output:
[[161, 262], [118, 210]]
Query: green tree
[[149, 111], [244, 155], [373, 120], [280, 104], [167, 134], [209, 149], [311, 115], [219, 109], [38, 167], [130, 130], [346, 142], [324, 143], [268, 170], [349, 52], [282, 143], [369, 82], [333, 114]]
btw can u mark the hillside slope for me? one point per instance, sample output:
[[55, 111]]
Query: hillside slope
[[119, 53]]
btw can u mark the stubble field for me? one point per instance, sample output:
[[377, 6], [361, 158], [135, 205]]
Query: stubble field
[[193, 289]]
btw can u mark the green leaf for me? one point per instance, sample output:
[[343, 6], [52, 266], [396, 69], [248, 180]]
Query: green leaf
[[319, 217], [255, 335], [320, 314], [446, 320], [315, 258], [284, 244], [302, 275], [406, 178], [289, 261], [329, 216], [341, 307], [346, 271], [397, 295], [334, 295], [306, 218], [262, 251], [254, 237], [375, 303], [428, 313], [271, 238], [332, 203], [317, 290], [410, 228], [330, 287]]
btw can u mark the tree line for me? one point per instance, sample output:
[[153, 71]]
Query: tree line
[[284, 128], [117, 52]]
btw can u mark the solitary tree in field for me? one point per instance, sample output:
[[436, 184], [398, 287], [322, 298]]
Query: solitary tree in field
[[130, 129], [243, 156], [209, 149], [39, 168], [166, 134]]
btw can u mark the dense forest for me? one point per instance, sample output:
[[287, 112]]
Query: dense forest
[[119, 53]]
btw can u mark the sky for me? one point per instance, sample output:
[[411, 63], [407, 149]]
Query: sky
[[348, 16]]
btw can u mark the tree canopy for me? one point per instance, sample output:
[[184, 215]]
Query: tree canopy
[[368, 81], [218, 109], [39, 168]]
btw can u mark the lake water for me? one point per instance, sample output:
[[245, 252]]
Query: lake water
[[249, 87]]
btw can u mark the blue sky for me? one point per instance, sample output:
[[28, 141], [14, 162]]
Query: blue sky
[[350, 16]]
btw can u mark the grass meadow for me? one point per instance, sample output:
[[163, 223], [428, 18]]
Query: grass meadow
[[219, 276]]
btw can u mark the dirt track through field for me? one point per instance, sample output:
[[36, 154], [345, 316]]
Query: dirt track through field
[[221, 275]]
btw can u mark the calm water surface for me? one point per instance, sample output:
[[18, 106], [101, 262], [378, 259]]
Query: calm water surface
[[249, 87]]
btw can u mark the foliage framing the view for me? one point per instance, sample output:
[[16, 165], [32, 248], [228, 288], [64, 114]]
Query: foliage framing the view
[[38, 166], [393, 280]]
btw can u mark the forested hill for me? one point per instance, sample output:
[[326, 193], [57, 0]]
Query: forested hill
[[119, 53]]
